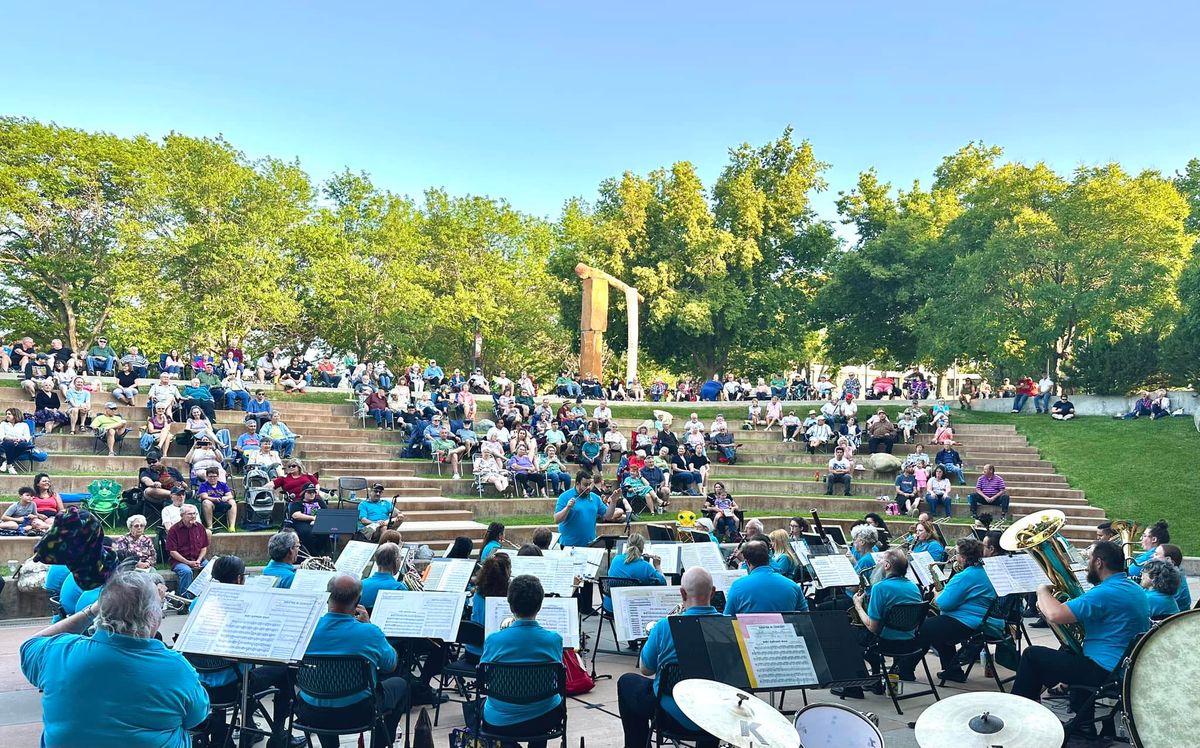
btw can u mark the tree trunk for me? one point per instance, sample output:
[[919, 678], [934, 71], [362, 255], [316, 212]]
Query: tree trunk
[[71, 324]]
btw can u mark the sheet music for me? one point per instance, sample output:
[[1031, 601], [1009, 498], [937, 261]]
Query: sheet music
[[262, 580], [559, 614], [202, 580], [557, 575], [1019, 573], [1081, 576], [263, 624], [801, 549], [419, 615], [312, 580], [669, 553], [724, 578], [594, 558], [634, 607], [834, 571], [707, 555], [450, 575], [355, 557], [920, 567], [775, 655]]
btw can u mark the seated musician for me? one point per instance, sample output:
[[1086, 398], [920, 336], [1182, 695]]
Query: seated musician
[[375, 514], [284, 550], [543, 537], [493, 540], [387, 559], [95, 687], [635, 564], [925, 539], [864, 540], [637, 696], [346, 631], [797, 526], [490, 581], [783, 557], [1112, 614], [893, 588], [1152, 537], [1174, 554], [962, 605], [224, 686], [1105, 531], [762, 590], [1161, 581], [524, 641]]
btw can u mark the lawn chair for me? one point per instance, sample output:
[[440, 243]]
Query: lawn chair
[[104, 500]]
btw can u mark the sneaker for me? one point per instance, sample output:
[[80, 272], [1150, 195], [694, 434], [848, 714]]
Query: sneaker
[[456, 476], [957, 676]]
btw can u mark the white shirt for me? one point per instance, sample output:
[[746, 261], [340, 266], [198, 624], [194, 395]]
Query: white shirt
[[1045, 384], [170, 515], [500, 433], [731, 388], [602, 414], [939, 486], [790, 421], [820, 431], [842, 464], [689, 426], [829, 409], [18, 431], [159, 391]]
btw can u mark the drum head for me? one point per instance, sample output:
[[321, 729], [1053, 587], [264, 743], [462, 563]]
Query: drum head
[[836, 726], [1161, 698]]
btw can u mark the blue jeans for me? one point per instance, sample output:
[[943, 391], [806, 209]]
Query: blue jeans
[[285, 446], [730, 453], [1019, 402], [385, 381], [1042, 402], [142, 372], [558, 481], [383, 416], [935, 502], [327, 379], [93, 363], [240, 397], [186, 575], [955, 470]]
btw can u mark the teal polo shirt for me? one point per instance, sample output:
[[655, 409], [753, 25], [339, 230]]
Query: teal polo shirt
[[372, 585], [967, 596], [659, 651], [87, 683], [1160, 604], [285, 572], [1135, 569], [68, 595], [488, 550], [888, 592], [936, 550], [1112, 613], [640, 569], [55, 576], [340, 635], [1183, 598], [783, 564], [764, 591], [375, 511], [523, 641], [478, 615], [579, 528]]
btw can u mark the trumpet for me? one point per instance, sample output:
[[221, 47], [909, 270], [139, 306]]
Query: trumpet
[[309, 561], [674, 612], [174, 603]]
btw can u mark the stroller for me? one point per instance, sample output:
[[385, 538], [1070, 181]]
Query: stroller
[[259, 498]]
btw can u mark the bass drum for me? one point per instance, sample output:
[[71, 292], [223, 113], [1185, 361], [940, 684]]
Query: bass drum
[[836, 726], [1161, 700]]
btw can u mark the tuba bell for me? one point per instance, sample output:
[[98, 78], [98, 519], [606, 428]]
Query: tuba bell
[[1038, 535], [1129, 532]]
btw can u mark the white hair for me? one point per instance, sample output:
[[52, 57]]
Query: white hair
[[865, 533], [135, 519], [130, 605]]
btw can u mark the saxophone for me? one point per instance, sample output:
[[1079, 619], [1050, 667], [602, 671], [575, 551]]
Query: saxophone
[[1038, 535], [864, 586]]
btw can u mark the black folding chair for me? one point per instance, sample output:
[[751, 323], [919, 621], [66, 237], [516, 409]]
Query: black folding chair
[[606, 587], [662, 726], [523, 683], [1003, 608], [233, 704], [459, 671], [329, 677], [907, 617], [1083, 700]]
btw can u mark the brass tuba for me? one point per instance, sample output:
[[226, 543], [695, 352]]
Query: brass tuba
[[1129, 532], [1038, 535]]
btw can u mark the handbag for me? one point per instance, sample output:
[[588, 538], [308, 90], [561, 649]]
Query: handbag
[[578, 679]]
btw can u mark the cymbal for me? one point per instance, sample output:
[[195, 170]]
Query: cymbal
[[734, 716], [986, 718]]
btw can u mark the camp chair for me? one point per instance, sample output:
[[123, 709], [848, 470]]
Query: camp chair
[[104, 500]]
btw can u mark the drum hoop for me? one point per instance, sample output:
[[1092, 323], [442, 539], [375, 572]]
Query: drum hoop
[[844, 708], [1127, 678]]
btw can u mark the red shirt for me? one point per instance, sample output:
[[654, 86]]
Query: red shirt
[[187, 541], [293, 485]]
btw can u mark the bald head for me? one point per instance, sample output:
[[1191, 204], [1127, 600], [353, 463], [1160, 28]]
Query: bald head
[[344, 591], [696, 587]]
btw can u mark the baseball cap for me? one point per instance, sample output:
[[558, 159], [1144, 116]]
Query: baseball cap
[[310, 487], [110, 405], [178, 488], [377, 487]]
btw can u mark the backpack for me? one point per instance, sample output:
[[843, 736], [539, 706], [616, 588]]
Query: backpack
[[578, 679]]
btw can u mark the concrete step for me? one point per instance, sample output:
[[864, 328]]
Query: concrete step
[[10, 397], [799, 457], [78, 483], [751, 485], [129, 465], [706, 418], [83, 444], [800, 472]]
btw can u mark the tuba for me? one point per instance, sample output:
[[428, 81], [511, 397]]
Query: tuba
[[1129, 532], [1038, 535]]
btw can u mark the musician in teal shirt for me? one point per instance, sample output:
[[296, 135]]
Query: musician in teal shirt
[[925, 539], [387, 559], [579, 509], [346, 631], [633, 564], [284, 550], [1152, 537], [493, 540], [763, 590], [963, 603], [1113, 612], [1169, 551], [524, 641], [490, 581], [895, 588], [637, 696], [783, 558], [1161, 581], [87, 681]]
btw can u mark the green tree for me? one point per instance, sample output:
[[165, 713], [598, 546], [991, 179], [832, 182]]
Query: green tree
[[1181, 350], [869, 208], [72, 210]]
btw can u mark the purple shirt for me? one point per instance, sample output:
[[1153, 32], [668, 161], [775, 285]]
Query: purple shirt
[[989, 486]]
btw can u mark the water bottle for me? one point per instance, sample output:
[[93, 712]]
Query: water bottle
[[353, 496]]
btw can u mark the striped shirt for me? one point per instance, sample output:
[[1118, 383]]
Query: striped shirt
[[989, 486]]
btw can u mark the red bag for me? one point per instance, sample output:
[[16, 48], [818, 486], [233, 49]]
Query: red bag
[[578, 680]]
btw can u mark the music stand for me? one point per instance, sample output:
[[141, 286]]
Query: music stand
[[336, 522]]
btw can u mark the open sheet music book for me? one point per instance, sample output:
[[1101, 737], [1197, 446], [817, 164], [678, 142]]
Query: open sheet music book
[[834, 571], [1016, 573], [560, 614], [706, 554], [419, 615], [726, 577], [355, 557], [775, 654], [557, 574], [593, 558], [262, 580], [449, 575], [203, 579], [312, 580], [259, 624], [919, 569], [634, 607], [669, 553]]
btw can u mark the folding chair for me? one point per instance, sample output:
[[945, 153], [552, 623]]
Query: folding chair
[[1003, 608], [524, 683], [662, 727], [208, 664], [100, 442], [1083, 700], [459, 671], [908, 618], [328, 677], [348, 489], [104, 500], [606, 587]]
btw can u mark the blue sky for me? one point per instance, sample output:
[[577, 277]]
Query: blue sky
[[536, 102]]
